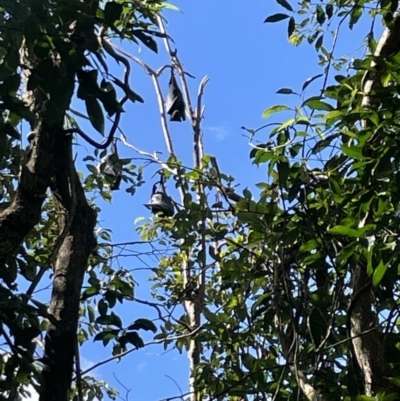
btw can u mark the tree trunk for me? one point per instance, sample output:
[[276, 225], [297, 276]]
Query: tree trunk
[[25, 209], [367, 342], [79, 219]]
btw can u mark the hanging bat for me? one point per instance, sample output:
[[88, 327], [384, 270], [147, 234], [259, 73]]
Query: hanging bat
[[175, 104], [160, 202]]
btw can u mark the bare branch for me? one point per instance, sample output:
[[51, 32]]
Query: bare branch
[[153, 157], [122, 354], [161, 102]]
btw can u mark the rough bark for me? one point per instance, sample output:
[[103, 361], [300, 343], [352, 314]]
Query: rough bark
[[25, 209], [80, 219], [367, 344]]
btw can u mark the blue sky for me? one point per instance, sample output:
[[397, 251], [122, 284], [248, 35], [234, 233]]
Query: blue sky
[[247, 61]]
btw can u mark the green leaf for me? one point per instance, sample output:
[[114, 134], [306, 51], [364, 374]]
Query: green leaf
[[319, 42], [247, 194], [355, 15], [315, 103], [108, 97], [324, 143], [276, 18], [274, 109], [353, 151], [211, 317], [346, 252], [91, 314], [310, 80], [291, 122], [333, 115], [351, 232], [102, 307], [134, 339], [110, 320], [312, 258], [143, 324], [320, 15], [248, 361], [285, 91], [378, 274], [285, 4], [291, 26], [95, 114], [390, 397], [372, 43], [112, 12], [309, 245], [23, 376], [89, 292], [329, 10], [146, 40], [126, 289], [365, 398], [106, 336]]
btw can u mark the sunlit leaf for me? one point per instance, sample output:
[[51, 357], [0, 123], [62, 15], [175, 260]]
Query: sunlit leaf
[[378, 274], [355, 152], [315, 103], [351, 232]]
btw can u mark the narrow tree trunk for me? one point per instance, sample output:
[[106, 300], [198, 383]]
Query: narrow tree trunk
[[367, 343], [79, 218]]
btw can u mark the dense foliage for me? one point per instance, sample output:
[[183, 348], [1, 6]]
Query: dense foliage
[[295, 290]]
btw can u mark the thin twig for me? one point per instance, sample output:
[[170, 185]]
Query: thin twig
[[177, 385], [122, 354], [126, 243], [124, 387], [153, 157]]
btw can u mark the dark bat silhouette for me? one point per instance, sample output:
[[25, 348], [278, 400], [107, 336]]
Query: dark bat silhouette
[[175, 104], [160, 202]]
